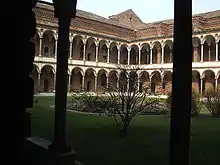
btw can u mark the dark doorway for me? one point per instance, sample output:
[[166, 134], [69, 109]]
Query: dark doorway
[[46, 85], [88, 86], [153, 88]]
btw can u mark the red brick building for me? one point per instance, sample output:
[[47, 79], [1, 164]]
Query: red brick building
[[98, 45]]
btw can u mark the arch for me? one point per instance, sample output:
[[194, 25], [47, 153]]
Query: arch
[[47, 79], [90, 49], [208, 80], [196, 85], [145, 53], [76, 84], [134, 50], [168, 51], [132, 81], [123, 80], [157, 52], [102, 80], [35, 74], [196, 54], [167, 82], [48, 44], [156, 83], [77, 47], [113, 80], [218, 80], [124, 54], [90, 80], [144, 81], [113, 53], [103, 51], [209, 48]]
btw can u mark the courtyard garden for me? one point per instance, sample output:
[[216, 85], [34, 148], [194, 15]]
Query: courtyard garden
[[96, 139]]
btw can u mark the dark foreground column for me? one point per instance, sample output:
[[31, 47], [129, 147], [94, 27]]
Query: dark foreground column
[[182, 84], [64, 11]]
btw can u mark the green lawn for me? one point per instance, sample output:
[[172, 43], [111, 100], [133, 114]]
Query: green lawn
[[96, 140]]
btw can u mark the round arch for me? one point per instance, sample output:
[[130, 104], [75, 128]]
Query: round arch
[[196, 85], [156, 84], [157, 52], [47, 79], [208, 80], [76, 81], [90, 85], [102, 80]]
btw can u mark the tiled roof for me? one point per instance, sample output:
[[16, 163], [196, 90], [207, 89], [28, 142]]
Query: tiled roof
[[91, 16], [85, 14]]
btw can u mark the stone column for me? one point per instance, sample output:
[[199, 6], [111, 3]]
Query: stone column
[[71, 45], [119, 56], [69, 82], [107, 81], [202, 53], [54, 81], [83, 83], [209, 50], [84, 51], [162, 59], [95, 83], [216, 84], [40, 45], [56, 48], [138, 86], [195, 53], [108, 55], [180, 125], [171, 55], [151, 55], [216, 51], [117, 85], [129, 51], [158, 55], [201, 84], [139, 56], [97, 53], [38, 81]]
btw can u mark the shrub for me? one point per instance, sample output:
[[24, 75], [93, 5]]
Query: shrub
[[212, 101]]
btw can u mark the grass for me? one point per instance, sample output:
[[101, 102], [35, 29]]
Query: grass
[[96, 139]]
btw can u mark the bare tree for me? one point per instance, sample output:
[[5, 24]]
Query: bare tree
[[126, 99]]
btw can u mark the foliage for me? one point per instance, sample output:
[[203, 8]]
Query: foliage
[[126, 101], [89, 103], [196, 104], [212, 100]]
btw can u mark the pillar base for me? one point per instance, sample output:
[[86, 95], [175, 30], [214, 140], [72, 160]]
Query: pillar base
[[36, 151]]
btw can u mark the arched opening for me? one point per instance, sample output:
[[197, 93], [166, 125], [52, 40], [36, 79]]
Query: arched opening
[[90, 49], [103, 51], [167, 82], [36, 77], [124, 55], [196, 86], [145, 54], [134, 55], [168, 52], [144, 82], [113, 54], [123, 81], [113, 79], [48, 44], [132, 81], [157, 53], [208, 80], [218, 50], [36, 41], [196, 54], [218, 81], [209, 48], [102, 81], [90, 80], [47, 82], [76, 80], [77, 48], [156, 85]]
